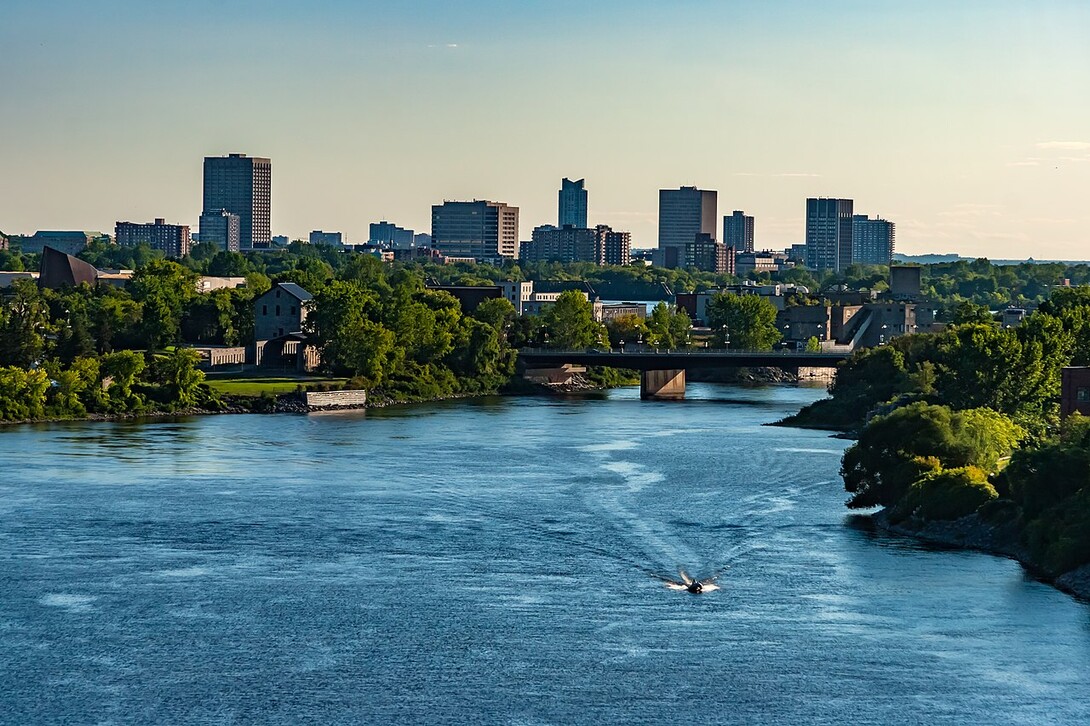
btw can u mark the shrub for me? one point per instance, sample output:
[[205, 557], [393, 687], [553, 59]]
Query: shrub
[[946, 494]]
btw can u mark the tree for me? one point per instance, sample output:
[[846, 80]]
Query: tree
[[570, 322], [499, 313], [813, 345], [23, 322], [945, 494], [631, 329], [745, 322], [22, 393], [163, 289], [182, 376], [895, 450], [967, 313], [1014, 371], [349, 340], [229, 264], [119, 372], [668, 328]]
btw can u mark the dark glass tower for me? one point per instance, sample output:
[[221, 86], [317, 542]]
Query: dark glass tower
[[241, 185]]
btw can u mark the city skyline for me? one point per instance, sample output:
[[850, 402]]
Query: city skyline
[[966, 125]]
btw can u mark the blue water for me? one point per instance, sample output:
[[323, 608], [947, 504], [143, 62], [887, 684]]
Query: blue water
[[490, 561]]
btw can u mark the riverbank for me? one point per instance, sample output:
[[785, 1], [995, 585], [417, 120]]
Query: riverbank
[[1001, 538]]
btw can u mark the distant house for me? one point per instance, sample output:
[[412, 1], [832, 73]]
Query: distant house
[[279, 340]]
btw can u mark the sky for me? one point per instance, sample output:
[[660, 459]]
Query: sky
[[966, 123]]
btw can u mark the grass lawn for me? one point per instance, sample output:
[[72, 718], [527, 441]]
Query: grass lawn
[[255, 386]]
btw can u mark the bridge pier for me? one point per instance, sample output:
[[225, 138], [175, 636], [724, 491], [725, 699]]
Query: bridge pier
[[668, 384]]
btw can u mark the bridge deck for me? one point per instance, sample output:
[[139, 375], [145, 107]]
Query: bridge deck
[[651, 359]]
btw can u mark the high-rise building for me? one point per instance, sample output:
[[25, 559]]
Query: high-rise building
[[242, 185], [613, 248], [331, 239], [561, 244], [173, 239], [573, 204], [683, 214], [221, 228], [483, 230], [828, 233], [872, 240], [387, 233], [738, 231], [600, 245], [704, 253]]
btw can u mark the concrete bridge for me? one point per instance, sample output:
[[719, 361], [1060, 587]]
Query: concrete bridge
[[663, 371]]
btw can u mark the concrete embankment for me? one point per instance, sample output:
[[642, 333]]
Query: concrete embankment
[[974, 533]]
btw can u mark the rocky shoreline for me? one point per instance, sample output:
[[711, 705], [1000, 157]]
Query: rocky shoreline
[[974, 533]]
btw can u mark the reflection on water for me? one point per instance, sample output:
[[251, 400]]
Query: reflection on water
[[493, 560]]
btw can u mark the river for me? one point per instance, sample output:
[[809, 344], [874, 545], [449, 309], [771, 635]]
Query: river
[[491, 561]]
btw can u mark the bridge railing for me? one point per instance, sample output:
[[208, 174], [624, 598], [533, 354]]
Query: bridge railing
[[716, 352]]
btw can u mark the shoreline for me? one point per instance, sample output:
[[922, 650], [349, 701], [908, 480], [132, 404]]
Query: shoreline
[[290, 403], [1001, 540]]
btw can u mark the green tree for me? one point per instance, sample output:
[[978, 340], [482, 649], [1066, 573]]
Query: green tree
[[182, 376], [628, 329], [570, 322], [119, 372], [946, 494], [22, 393], [745, 322], [668, 328], [24, 320], [499, 313], [813, 345], [895, 450], [229, 264], [163, 289], [349, 340], [967, 313]]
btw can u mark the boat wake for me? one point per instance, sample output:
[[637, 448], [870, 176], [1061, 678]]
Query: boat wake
[[690, 584]]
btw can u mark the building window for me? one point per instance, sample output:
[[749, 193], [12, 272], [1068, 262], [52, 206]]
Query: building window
[[1082, 394], [293, 310], [277, 311], [264, 309]]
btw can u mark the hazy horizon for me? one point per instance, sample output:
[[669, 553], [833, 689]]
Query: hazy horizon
[[969, 127]]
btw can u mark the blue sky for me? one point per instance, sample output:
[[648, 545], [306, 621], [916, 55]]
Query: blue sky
[[968, 126]]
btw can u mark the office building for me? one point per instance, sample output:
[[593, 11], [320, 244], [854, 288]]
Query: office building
[[872, 240], [68, 242], [331, 239], [480, 230], [242, 185], [683, 214], [828, 233], [573, 204], [704, 253], [738, 231], [390, 235], [747, 262], [221, 228], [173, 239]]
